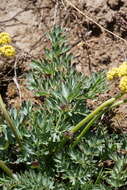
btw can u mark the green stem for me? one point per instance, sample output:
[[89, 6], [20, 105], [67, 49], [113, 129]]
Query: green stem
[[91, 115], [5, 168], [97, 115], [118, 103], [10, 122], [84, 131], [93, 120]]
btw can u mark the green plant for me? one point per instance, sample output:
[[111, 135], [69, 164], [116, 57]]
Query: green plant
[[10, 122], [28, 180], [60, 148], [118, 175]]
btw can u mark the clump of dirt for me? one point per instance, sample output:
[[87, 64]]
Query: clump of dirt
[[115, 4]]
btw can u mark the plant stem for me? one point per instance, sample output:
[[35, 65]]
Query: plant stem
[[86, 129], [118, 103], [10, 122], [5, 168], [91, 115], [93, 120]]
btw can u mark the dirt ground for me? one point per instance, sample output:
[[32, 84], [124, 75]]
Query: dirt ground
[[28, 22]]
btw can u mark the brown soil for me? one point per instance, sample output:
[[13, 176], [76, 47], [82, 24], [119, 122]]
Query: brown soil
[[28, 22]]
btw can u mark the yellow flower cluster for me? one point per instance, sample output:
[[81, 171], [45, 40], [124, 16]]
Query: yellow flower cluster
[[6, 50], [123, 84], [112, 73], [119, 72], [122, 69], [5, 38]]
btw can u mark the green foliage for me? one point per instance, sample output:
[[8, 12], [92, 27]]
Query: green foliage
[[62, 92], [28, 181], [118, 175]]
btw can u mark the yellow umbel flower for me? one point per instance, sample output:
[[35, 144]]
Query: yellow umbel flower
[[4, 38], [123, 84], [112, 73], [7, 50], [122, 69]]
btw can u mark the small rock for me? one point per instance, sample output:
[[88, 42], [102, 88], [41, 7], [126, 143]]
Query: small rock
[[109, 17], [105, 59]]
